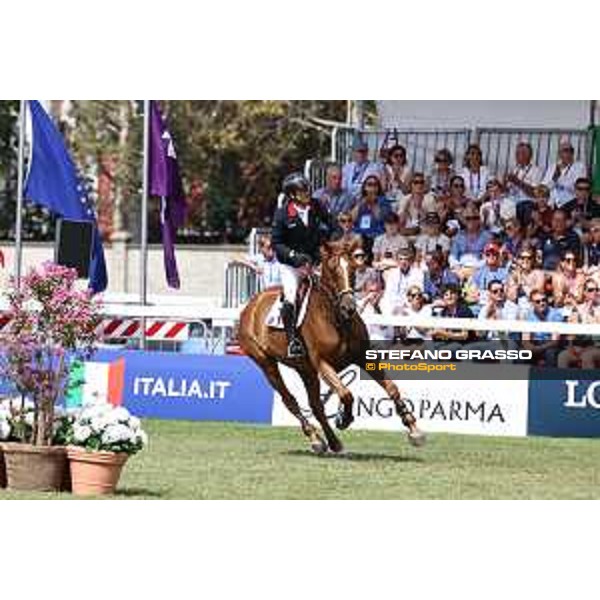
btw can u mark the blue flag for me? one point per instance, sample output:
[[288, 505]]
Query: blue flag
[[53, 182]]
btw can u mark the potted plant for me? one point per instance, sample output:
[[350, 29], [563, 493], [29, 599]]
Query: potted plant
[[51, 324], [101, 439]]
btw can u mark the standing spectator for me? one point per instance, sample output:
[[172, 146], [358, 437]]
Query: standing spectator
[[471, 241], [492, 270], [475, 174], [560, 178], [561, 239], [546, 346], [442, 173], [431, 237], [333, 196], [265, 264], [345, 230], [437, 275], [398, 280], [591, 249], [413, 207], [522, 181], [397, 173], [369, 213], [355, 173], [497, 206], [388, 244]]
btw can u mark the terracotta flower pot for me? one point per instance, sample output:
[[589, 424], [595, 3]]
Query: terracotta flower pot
[[95, 473], [39, 468]]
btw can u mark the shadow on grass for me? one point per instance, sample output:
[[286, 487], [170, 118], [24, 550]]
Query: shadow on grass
[[358, 456], [133, 491]]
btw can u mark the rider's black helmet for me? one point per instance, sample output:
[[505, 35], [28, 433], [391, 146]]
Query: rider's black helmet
[[294, 183]]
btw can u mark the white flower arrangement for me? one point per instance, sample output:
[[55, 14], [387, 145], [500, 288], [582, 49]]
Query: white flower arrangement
[[103, 427]]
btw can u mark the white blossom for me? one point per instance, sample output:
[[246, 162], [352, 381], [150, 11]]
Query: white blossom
[[81, 433], [4, 429]]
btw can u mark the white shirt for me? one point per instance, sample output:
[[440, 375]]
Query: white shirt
[[303, 212], [475, 183], [428, 243], [563, 189], [493, 212], [377, 332], [414, 333], [396, 286], [271, 271], [531, 175], [509, 311]]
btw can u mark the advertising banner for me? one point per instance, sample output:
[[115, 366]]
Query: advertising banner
[[568, 406], [471, 406]]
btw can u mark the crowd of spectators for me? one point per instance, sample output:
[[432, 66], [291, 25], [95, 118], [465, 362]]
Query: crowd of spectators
[[463, 241]]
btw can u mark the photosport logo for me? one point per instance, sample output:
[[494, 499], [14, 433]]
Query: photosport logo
[[579, 396]]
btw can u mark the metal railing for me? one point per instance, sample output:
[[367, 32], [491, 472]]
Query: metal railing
[[241, 283]]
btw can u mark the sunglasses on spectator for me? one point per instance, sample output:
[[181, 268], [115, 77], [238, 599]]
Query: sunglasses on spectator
[[526, 257], [458, 185], [415, 295], [570, 259], [582, 188], [595, 229], [345, 220], [398, 155], [498, 290], [442, 160], [472, 218], [359, 255], [540, 301], [591, 289], [418, 181], [371, 184]]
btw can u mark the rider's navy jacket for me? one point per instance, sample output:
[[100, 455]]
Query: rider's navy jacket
[[291, 237]]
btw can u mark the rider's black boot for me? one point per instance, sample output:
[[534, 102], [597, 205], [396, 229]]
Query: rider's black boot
[[288, 316]]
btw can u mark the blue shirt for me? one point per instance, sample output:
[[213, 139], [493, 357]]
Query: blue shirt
[[432, 286], [463, 244], [367, 223], [336, 201], [552, 316]]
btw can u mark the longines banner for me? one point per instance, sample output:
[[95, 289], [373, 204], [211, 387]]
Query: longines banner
[[459, 406]]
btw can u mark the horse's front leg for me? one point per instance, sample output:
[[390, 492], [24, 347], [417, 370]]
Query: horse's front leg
[[345, 417], [415, 436]]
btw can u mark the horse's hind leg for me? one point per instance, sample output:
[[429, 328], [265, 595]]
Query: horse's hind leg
[[415, 435], [313, 389], [271, 370]]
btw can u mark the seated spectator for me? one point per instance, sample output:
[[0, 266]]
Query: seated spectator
[[578, 206], [265, 264], [474, 173], [355, 173], [345, 231], [398, 280], [397, 173], [333, 196], [492, 270], [471, 241], [369, 213], [457, 200], [442, 173], [540, 225], [513, 238], [561, 238], [567, 279], [497, 206], [560, 178], [413, 207], [593, 207], [431, 237], [544, 345], [437, 275], [522, 181], [497, 307], [591, 248], [588, 311], [415, 307], [368, 304], [452, 306], [387, 245], [363, 273], [524, 278]]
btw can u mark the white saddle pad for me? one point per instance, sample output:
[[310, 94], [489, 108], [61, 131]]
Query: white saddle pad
[[274, 314]]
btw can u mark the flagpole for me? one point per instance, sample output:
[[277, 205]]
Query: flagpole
[[20, 182], [144, 232]]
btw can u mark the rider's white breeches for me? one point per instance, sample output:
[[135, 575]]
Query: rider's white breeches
[[289, 280]]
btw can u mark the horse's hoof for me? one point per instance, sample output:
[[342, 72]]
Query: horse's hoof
[[337, 448], [417, 438], [319, 446], [343, 420]]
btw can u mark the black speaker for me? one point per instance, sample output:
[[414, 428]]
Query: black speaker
[[73, 246]]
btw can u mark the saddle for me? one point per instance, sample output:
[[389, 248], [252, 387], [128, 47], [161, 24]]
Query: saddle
[[302, 296]]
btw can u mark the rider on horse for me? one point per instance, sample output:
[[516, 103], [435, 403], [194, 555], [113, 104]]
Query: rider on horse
[[301, 224]]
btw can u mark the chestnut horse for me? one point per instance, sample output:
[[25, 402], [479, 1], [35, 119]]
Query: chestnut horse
[[333, 332]]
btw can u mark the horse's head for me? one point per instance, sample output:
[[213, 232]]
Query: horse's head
[[336, 274]]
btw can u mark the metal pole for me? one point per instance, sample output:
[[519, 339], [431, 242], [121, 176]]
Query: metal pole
[[144, 231], [19, 209]]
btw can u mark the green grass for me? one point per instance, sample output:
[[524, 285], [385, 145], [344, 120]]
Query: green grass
[[224, 460]]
